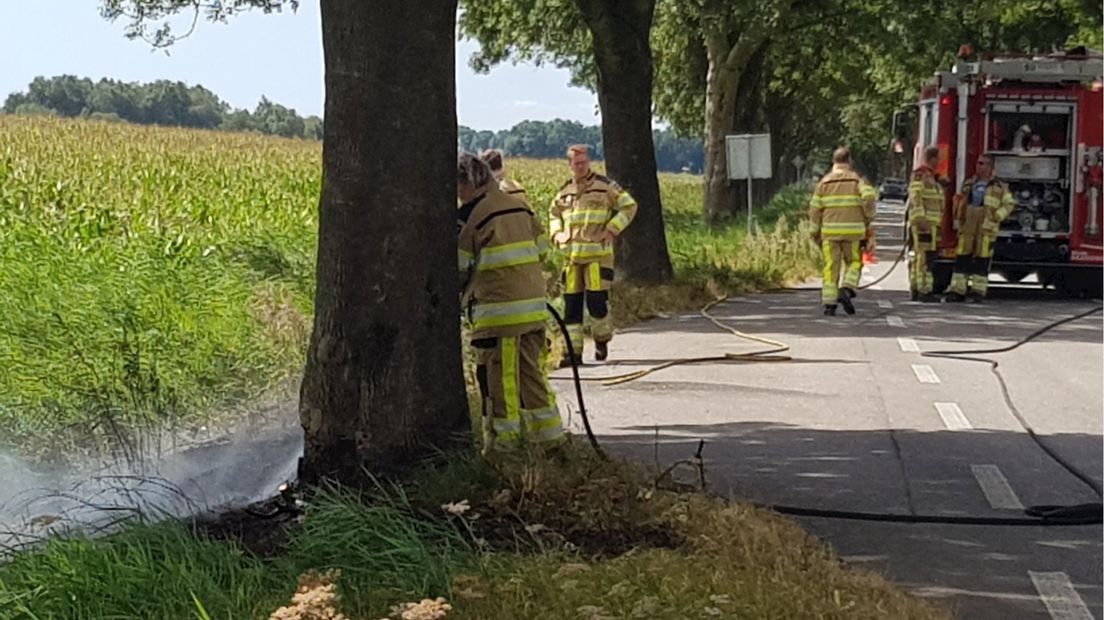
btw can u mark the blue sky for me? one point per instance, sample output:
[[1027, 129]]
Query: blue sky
[[279, 56]]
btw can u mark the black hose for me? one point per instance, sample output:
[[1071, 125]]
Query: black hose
[[1044, 515], [578, 383]]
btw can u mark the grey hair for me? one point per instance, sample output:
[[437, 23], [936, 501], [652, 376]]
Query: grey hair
[[472, 171]]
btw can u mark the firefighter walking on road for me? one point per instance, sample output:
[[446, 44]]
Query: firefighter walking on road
[[501, 250], [925, 212], [979, 208], [589, 211], [842, 210]]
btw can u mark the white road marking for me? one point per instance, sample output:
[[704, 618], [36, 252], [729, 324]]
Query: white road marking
[[953, 418], [1061, 599], [895, 321], [996, 488], [925, 373], [885, 303], [908, 345]]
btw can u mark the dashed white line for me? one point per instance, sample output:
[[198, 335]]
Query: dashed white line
[[1061, 599], [908, 345], [895, 321], [925, 373], [952, 416], [996, 488], [885, 303]]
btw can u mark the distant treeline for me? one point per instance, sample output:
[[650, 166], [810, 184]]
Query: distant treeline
[[177, 104], [157, 103], [550, 139]]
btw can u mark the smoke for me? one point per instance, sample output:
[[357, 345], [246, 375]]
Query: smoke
[[227, 473]]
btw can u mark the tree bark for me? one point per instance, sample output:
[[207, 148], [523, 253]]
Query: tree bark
[[721, 81], [383, 374], [728, 60], [623, 55]]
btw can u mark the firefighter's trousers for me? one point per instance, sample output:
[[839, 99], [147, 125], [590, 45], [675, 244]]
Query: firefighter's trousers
[[586, 292], [841, 257], [518, 404], [971, 266], [925, 247]]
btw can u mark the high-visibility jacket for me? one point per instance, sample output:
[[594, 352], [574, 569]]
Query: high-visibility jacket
[[514, 189], [843, 205], [501, 250], [586, 210], [984, 219], [925, 198]]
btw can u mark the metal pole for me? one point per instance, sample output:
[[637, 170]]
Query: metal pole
[[749, 183]]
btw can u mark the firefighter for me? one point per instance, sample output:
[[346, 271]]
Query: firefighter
[[979, 208], [501, 249], [493, 157], [842, 210], [925, 212], [587, 214]]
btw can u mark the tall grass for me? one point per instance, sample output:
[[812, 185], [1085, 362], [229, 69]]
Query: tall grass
[[386, 554]]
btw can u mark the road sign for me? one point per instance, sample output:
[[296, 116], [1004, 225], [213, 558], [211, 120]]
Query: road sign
[[748, 157]]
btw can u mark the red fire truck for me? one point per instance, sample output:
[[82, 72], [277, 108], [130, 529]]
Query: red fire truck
[[1041, 118]]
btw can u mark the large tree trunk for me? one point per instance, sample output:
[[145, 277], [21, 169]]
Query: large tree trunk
[[623, 54], [383, 375]]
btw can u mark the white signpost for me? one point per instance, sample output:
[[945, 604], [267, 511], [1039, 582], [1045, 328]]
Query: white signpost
[[748, 156]]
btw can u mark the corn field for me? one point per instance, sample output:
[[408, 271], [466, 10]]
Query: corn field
[[156, 278]]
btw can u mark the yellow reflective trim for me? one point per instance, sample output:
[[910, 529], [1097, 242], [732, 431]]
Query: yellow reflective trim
[[835, 202], [625, 200], [594, 277], [508, 255], [618, 223], [510, 379]]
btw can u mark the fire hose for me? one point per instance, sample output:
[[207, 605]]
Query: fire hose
[[1042, 515]]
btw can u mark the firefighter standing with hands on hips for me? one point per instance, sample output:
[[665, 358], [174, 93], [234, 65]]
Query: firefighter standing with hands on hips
[[501, 251], [589, 211], [979, 208], [842, 209], [925, 213]]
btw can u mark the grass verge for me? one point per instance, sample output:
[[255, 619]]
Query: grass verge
[[559, 536]]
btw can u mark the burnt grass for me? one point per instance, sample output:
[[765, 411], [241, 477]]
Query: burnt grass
[[574, 502]]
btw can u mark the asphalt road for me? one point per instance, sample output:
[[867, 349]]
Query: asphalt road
[[860, 421]]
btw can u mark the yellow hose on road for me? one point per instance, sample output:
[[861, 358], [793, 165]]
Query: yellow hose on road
[[772, 354]]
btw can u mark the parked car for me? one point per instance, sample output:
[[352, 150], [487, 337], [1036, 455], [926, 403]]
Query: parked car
[[893, 189]]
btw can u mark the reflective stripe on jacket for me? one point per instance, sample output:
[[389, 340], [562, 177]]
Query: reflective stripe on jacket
[[925, 197], [998, 205], [501, 252], [586, 210], [843, 204]]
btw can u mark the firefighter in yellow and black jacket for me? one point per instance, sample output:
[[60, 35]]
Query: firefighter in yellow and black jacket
[[925, 213], [841, 210], [501, 251], [979, 208], [589, 211]]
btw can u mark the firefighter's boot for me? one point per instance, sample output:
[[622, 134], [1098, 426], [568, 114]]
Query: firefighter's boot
[[845, 300], [571, 360], [829, 309], [601, 350], [954, 298], [929, 298]]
